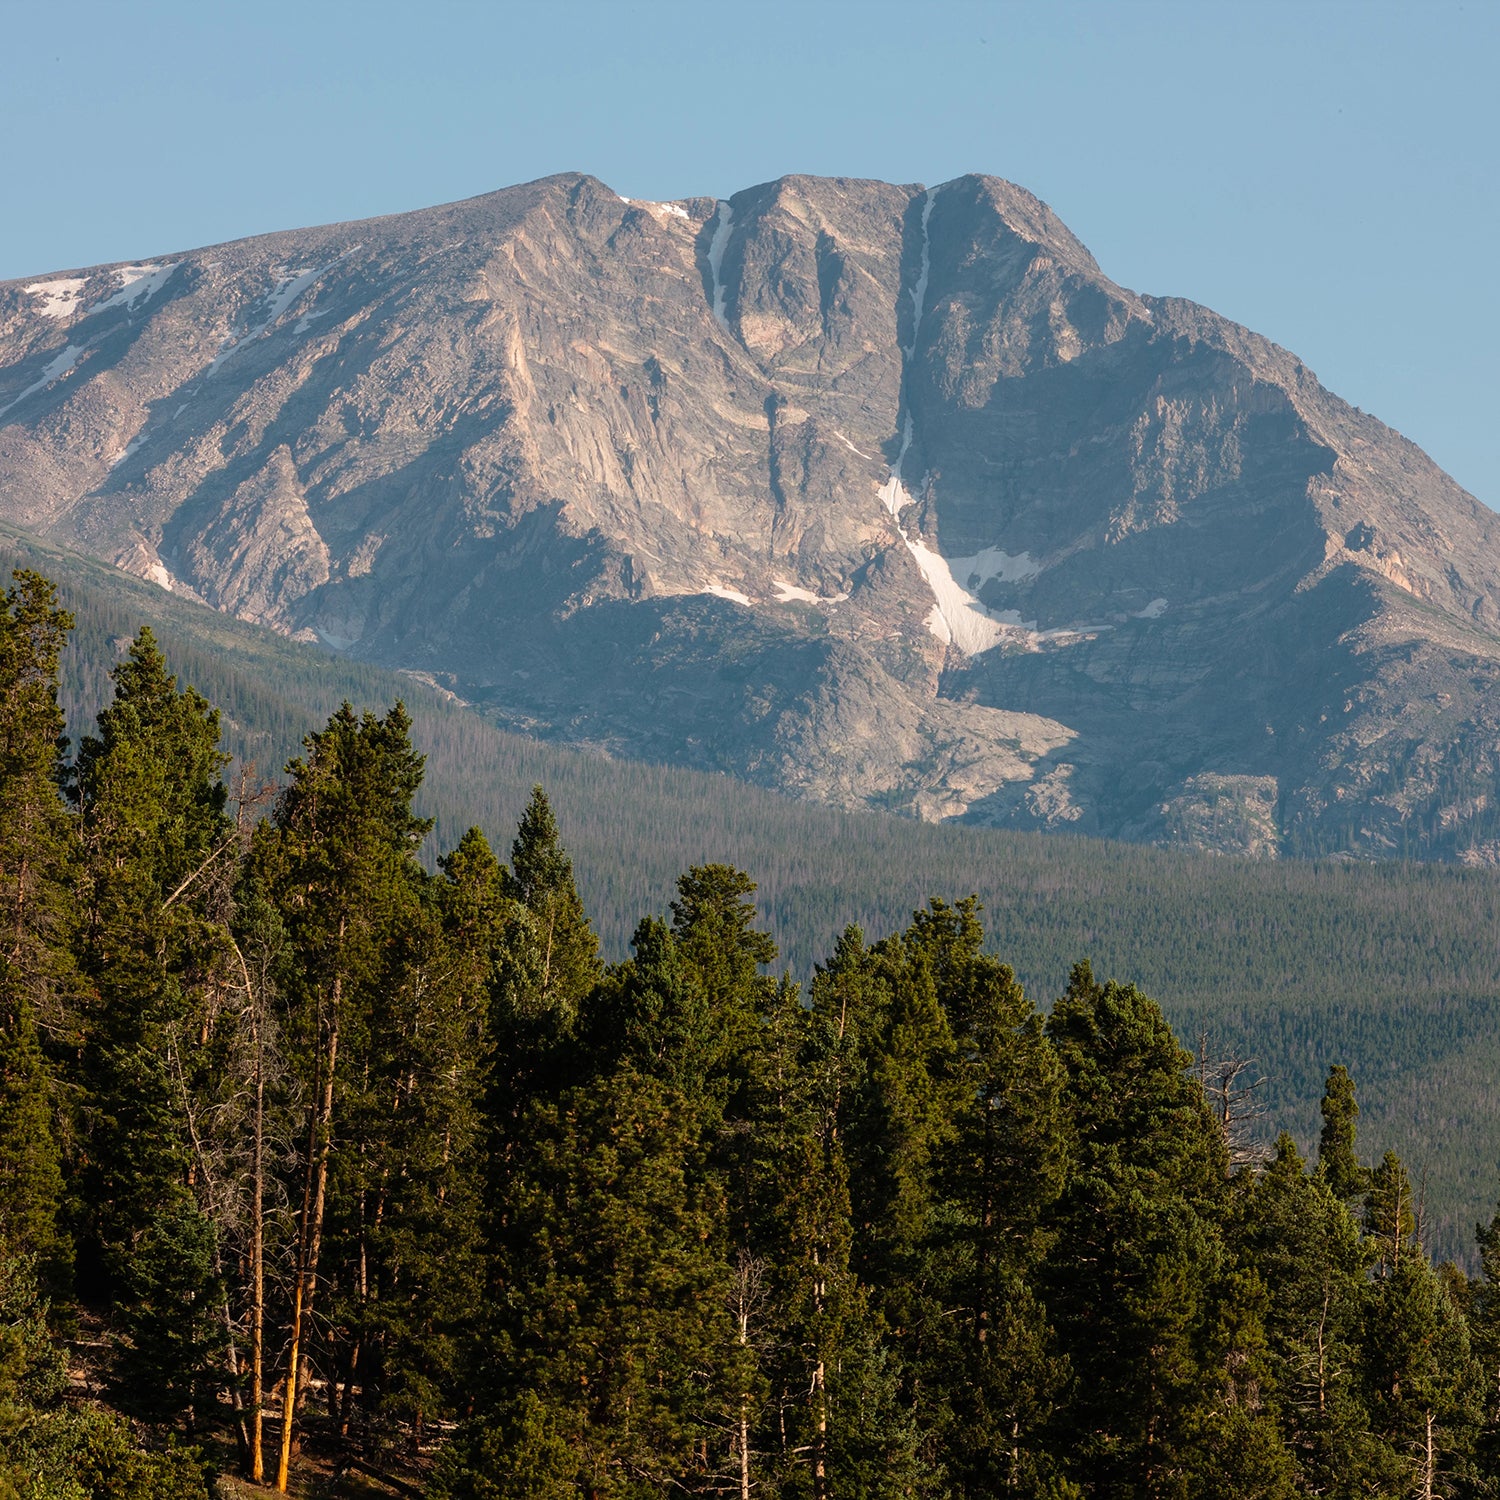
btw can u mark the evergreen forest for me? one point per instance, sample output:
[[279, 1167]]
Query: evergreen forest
[[1386, 968], [328, 1169]]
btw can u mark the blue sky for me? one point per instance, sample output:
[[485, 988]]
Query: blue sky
[[1326, 172]]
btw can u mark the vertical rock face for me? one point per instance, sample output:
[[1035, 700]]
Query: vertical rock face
[[877, 494]]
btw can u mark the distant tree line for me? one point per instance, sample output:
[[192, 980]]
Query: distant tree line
[[300, 1140]]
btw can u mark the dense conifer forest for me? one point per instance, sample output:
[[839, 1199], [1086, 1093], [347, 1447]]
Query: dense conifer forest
[[319, 1162], [1389, 969]]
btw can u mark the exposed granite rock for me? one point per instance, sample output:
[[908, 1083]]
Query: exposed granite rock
[[877, 494]]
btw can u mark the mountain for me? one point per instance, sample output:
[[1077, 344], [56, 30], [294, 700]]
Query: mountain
[[878, 495]]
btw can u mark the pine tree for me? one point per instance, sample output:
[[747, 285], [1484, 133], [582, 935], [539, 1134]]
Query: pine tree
[[38, 851], [1132, 1279], [157, 865], [555, 955], [339, 860], [1336, 1158]]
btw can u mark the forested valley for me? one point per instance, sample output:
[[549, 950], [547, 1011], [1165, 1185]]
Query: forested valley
[[330, 1171]]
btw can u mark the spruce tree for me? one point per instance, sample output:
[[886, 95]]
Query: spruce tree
[[997, 1376], [554, 955], [1483, 1308], [858, 1436], [1304, 1246], [613, 1365], [404, 1210]]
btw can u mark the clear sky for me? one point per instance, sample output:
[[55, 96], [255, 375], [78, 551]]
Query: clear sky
[[1325, 172]]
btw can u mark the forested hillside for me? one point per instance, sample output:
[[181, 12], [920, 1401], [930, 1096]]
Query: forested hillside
[[317, 1158], [1390, 969]]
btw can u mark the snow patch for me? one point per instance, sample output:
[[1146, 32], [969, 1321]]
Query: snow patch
[[850, 446], [336, 642], [919, 291], [675, 209], [787, 592], [131, 447], [60, 366], [716, 248], [159, 574], [991, 563], [59, 297], [970, 625], [290, 285], [288, 289], [137, 284], [958, 618], [1153, 611], [720, 591]]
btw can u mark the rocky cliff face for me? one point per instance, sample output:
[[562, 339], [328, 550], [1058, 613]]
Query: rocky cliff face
[[876, 494]]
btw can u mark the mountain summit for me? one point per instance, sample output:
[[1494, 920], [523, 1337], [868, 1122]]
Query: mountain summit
[[881, 495]]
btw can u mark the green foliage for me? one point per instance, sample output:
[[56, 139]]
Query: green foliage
[[38, 847], [668, 1225], [153, 826], [1140, 1262], [1336, 1159], [1298, 964], [51, 1449]]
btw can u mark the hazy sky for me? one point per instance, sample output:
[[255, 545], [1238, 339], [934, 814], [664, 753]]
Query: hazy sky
[[1324, 172]]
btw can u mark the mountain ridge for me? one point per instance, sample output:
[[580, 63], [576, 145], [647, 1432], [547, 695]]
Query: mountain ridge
[[883, 495]]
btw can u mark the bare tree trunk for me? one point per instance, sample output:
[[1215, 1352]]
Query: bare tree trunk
[[232, 1361], [310, 1240], [744, 1449], [257, 1236], [820, 1390], [1323, 1357], [820, 1430], [746, 1295], [1429, 1463]]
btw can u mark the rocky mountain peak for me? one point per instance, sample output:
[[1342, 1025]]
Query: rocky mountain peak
[[878, 493]]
